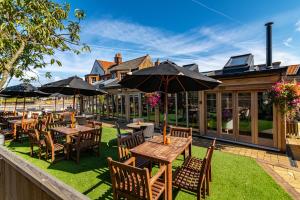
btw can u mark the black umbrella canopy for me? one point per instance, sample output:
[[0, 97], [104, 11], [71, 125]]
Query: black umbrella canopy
[[71, 86], [168, 77], [23, 90]]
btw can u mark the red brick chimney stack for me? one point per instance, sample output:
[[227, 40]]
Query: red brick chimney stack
[[118, 58]]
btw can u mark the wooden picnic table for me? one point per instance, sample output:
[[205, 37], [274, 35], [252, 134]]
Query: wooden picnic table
[[155, 150], [18, 122], [68, 132]]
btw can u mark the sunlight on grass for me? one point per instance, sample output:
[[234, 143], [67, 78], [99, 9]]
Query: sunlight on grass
[[234, 177]]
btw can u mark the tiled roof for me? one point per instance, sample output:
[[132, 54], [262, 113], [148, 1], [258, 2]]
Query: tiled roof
[[129, 65], [105, 64], [292, 70]]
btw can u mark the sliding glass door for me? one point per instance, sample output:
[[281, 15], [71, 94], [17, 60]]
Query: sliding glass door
[[244, 117]]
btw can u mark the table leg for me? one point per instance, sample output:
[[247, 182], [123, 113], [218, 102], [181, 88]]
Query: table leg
[[169, 181], [15, 131]]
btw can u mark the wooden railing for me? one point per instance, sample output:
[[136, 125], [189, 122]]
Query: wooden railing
[[293, 128], [21, 180]]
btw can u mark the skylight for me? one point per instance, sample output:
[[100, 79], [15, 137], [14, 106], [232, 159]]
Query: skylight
[[243, 60]]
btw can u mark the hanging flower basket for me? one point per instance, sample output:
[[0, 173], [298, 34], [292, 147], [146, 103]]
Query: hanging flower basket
[[286, 95], [152, 99]]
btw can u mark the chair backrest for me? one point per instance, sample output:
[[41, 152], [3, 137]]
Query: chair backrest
[[203, 169], [81, 120], [48, 139], [34, 115], [26, 126], [138, 137], [128, 142], [181, 132], [129, 181], [33, 135], [56, 124], [118, 128], [98, 135], [86, 137]]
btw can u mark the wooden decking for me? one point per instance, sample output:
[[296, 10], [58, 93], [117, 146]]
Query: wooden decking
[[20, 180]]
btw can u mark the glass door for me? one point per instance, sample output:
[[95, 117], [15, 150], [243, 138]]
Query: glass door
[[227, 115], [211, 113], [265, 119], [244, 117]]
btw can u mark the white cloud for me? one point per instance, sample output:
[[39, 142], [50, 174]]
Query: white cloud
[[210, 47], [297, 25], [288, 41]]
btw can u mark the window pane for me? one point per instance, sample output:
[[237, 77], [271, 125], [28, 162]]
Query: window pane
[[244, 110], [171, 109], [211, 111], [144, 107], [265, 116], [193, 109], [181, 105], [227, 120]]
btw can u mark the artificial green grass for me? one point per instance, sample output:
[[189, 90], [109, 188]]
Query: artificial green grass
[[234, 177]]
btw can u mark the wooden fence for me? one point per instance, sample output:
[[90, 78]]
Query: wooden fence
[[20, 180], [293, 128]]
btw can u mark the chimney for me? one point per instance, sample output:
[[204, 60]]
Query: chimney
[[269, 44], [156, 62], [118, 58]]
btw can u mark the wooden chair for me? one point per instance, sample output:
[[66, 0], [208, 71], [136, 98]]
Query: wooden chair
[[57, 137], [182, 132], [35, 139], [52, 148], [191, 169], [22, 131], [129, 142], [87, 140], [191, 180], [131, 182]]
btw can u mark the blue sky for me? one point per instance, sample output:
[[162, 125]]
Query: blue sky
[[185, 31]]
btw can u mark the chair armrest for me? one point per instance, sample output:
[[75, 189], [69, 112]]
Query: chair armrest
[[158, 174], [130, 161]]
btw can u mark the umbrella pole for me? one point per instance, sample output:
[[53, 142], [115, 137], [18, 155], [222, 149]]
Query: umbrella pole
[[4, 105], [63, 103], [74, 102], [16, 105], [166, 113], [24, 107], [55, 104]]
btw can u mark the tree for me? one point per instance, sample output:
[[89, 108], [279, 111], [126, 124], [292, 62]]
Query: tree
[[31, 31]]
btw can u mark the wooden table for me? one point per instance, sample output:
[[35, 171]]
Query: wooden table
[[139, 125], [155, 150], [67, 131], [18, 122]]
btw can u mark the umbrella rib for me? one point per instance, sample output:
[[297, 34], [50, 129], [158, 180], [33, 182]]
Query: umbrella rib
[[202, 83], [180, 84], [143, 81]]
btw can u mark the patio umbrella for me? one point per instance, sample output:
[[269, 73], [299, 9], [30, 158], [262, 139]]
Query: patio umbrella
[[167, 77], [4, 97], [72, 86], [22, 91]]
